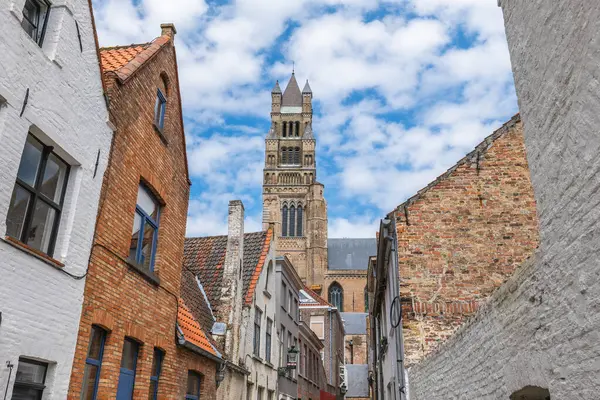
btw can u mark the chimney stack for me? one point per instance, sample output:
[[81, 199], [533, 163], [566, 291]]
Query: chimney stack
[[168, 30]]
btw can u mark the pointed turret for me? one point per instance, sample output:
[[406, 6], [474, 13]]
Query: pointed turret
[[277, 88], [292, 97], [307, 89]]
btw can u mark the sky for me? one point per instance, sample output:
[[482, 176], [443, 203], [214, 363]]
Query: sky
[[402, 90]]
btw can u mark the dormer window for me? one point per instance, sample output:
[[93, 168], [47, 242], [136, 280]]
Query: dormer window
[[35, 18], [160, 109]]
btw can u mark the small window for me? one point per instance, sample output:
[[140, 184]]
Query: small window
[[317, 325], [269, 273], [193, 386], [145, 230], [128, 368], [260, 393], [35, 19], [93, 362], [336, 296], [160, 109], [157, 361], [268, 339], [299, 227], [284, 221], [283, 295], [292, 223], [36, 203], [30, 380], [257, 323]]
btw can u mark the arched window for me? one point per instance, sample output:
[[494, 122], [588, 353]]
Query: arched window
[[284, 221], [284, 129], [297, 156], [292, 231], [297, 128], [284, 155], [336, 296], [299, 224]]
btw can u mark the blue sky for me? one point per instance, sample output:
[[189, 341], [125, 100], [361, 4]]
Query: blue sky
[[402, 90]]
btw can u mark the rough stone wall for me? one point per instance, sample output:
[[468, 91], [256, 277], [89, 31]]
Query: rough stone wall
[[117, 296], [359, 349], [541, 328], [40, 305], [461, 238], [353, 282]]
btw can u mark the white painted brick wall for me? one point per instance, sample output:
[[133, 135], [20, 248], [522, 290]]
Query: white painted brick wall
[[542, 327], [40, 305]]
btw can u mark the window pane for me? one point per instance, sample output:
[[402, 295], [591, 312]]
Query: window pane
[[299, 221], [130, 349], [147, 245], [29, 372], [26, 393], [30, 161], [89, 381], [193, 384], [153, 389], [54, 178], [147, 203], [40, 229], [292, 230], [17, 211], [137, 225], [95, 346]]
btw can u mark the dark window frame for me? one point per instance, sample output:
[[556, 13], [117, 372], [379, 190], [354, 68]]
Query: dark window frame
[[29, 385], [336, 287], [268, 339], [39, 34], [257, 331], [160, 110], [194, 375], [154, 224], [299, 222], [284, 220], [95, 362], [126, 371], [35, 193], [159, 356], [292, 221]]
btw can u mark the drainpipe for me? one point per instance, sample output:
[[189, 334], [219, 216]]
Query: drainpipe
[[330, 346]]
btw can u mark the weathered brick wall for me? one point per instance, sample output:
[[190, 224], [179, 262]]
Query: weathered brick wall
[[541, 328], [358, 353], [117, 296], [353, 282], [461, 237]]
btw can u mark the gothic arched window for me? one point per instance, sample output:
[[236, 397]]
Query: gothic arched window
[[292, 230], [299, 224], [284, 221], [297, 156], [284, 129], [284, 156], [297, 128], [336, 296]]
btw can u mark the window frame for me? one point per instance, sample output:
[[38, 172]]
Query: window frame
[[160, 110], [257, 331], [35, 193], [284, 220], [299, 221], [268, 339], [123, 370], [29, 385], [336, 287], [197, 376], [95, 362], [154, 224], [40, 35], [159, 356]]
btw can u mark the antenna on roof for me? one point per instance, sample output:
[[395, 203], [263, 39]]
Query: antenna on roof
[[293, 67]]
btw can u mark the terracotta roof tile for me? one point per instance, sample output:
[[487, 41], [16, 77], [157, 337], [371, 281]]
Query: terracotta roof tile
[[191, 329], [124, 61]]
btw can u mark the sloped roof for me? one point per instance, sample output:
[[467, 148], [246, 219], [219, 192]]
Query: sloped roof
[[307, 88], [194, 296], [309, 298], [256, 248], [357, 380], [192, 330], [276, 88], [124, 61], [355, 323], [350, 254], [292, 97], [473, 156]]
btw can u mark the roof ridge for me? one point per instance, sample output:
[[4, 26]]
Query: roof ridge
[[125, 46], [485, 143]]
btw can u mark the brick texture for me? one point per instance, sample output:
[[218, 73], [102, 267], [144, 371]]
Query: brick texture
[[462, 236]]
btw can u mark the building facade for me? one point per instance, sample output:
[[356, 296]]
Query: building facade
[[237, 275], [126, 345], [55, 138], [489, 228], [288, 285], [312, 380]]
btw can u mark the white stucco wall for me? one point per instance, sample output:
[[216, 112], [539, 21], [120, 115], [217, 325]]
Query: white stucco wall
[[41, 305]]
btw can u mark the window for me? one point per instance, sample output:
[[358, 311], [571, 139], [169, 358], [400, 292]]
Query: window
[[269, 273], [299, 232], [336, 296], [257, 321], [36, 203], [303, 351], [317, 325], [93, 362], [296, 309], [281, 353], [249, 391], [297, 155], [160, 109], [283, 295], [159, 356], [128, 367], [35, 19], [284, 129], [193, 386], [145, 228], [260, 393], [297, 128], [292, 223], [290, 297], [271, 395], [268, 340], [366, 300], [30, 380], [284, 221]]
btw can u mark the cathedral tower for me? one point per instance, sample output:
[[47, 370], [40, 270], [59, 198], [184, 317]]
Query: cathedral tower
[[292, 198]]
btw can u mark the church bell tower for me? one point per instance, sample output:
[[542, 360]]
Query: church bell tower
[[292, 198]]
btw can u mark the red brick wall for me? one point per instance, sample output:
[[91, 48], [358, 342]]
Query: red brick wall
[[464, 236], [353, 282], [118, 297]]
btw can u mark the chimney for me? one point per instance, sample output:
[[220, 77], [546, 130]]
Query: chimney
[[168, 30], [235, 238]]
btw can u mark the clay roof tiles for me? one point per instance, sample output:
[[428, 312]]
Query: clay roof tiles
[[192, 330], [124, 61]]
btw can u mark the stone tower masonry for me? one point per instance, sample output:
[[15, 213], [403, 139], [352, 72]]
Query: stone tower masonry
[[292, 198]]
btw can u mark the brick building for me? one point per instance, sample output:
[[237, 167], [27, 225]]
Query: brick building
[[238, 279], [126, 346], [462, 236], [54, 146], [311, 373]]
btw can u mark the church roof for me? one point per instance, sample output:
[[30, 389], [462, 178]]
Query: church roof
[[292, 97], [307, 88], [350, 254], [308, 132], [355, 323], [276, 88]]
